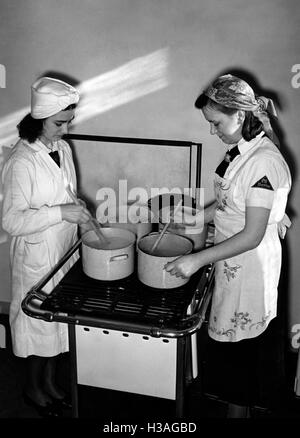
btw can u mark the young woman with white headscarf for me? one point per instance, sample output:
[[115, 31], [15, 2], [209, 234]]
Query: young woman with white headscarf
[[42, 221]]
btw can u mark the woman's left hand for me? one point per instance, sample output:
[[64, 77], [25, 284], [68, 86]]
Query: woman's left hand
[[185, 266]]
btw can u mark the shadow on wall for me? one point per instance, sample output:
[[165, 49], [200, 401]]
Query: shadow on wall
[[62, 77]]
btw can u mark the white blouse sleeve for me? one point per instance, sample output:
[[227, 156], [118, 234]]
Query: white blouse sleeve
[[262, 182]]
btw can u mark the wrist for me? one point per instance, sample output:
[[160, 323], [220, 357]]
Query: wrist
[[54, 215]]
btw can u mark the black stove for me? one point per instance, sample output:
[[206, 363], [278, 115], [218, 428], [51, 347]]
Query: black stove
[[127, 299]]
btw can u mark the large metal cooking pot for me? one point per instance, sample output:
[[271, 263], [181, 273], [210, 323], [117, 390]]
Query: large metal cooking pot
[[111, 260], [185, 225], [151, 266], [135, 218]]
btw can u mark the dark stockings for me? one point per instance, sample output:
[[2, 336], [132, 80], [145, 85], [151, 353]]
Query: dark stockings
[[40, 384]]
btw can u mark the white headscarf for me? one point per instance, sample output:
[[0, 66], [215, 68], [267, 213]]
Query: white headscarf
[[50, 96]]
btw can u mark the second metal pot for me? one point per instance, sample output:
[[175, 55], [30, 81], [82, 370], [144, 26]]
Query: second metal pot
[[196, 232], [151, 266]]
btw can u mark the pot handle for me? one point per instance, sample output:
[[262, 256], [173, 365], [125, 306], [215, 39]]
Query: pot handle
[[118, 257]]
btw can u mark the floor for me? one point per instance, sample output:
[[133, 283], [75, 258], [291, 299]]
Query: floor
[[202, 402]]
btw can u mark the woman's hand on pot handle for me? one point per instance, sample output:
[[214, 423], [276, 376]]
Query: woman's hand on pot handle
[[76, 214], [185, 266]]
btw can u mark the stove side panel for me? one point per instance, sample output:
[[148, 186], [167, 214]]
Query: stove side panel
[[127, 362]]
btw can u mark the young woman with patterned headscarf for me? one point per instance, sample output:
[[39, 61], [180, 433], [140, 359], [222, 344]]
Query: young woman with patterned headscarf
[[251, 189]]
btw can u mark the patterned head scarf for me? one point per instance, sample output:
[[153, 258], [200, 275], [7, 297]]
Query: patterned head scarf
[[49, 96], [233, 92]]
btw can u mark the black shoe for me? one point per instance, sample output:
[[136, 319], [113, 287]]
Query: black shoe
[[260, 412], [44, 411], [62, 403]]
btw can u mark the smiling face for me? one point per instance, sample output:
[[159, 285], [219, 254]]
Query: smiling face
[[228, 127], [56, 126]]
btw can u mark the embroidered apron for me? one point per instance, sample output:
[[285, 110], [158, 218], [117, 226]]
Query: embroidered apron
[[245, 295]]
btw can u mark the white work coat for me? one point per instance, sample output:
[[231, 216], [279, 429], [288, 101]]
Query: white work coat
[[245, 296], [34, 186]]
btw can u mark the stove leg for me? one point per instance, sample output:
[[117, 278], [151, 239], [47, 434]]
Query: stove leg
[[180, 376], [73, 370], [189, 363]]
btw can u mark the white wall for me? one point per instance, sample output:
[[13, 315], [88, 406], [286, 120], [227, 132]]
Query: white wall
[[199, 39]]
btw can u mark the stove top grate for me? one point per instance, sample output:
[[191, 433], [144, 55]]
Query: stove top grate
[[127, 299]]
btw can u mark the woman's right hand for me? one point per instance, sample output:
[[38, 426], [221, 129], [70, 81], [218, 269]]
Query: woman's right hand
[[186, 265], [76, 214]]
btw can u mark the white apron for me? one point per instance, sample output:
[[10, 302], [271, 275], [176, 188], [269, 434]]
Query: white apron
[[33, 186], [245, 295]]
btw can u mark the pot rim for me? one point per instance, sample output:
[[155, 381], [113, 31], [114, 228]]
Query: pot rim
[[178, 236], [130, 234]]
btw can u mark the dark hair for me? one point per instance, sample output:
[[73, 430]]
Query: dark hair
[[30, 129], [252, 126]]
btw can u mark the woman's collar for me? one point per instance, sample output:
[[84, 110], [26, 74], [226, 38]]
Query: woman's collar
[[38, 146], [244, 145]]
